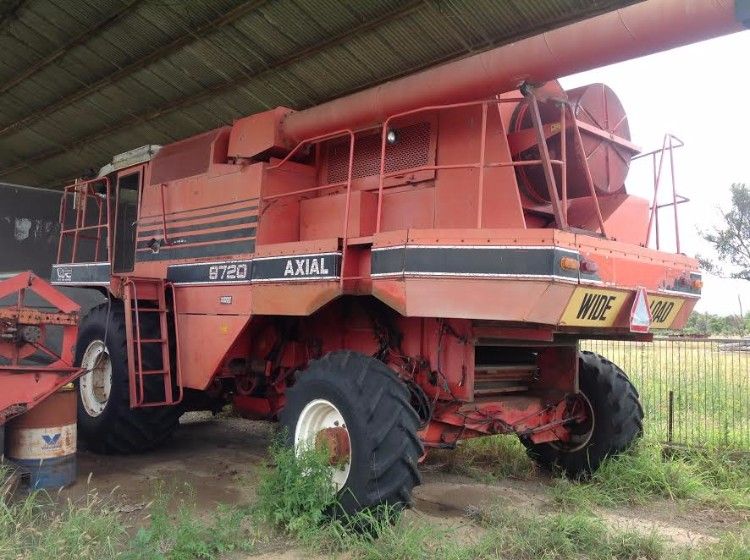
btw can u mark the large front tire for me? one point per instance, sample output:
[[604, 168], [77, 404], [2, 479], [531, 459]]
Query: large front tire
[[616, 420], [105, 420], [362, 395]]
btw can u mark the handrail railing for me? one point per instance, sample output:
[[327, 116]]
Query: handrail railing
[[82, 191], [178, 363], [336, 134], [559, 210], [558, 200], [669, 144]]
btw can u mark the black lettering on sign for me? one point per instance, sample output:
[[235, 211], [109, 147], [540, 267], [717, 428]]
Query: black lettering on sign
[[594, 307], [588, 300], [605, 307], [660, 310]]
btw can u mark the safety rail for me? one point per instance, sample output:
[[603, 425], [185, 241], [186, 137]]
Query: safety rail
[[178, 360], [322, 138], [559, 208], [669, 144], [558, 200], [81, 192]]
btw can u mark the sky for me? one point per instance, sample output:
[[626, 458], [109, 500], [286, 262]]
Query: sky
[[701, 94]]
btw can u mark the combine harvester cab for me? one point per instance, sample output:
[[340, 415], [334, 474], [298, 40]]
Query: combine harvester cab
[[393, 271]]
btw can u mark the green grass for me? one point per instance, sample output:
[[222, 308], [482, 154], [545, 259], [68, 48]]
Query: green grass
[[295, 498], [639, 477], [710, 387], [187, 535], [732, 546], [486, 459], [37, 527], [518, 535], [297, 508], [708, 477], [507, 533], [296, 492]]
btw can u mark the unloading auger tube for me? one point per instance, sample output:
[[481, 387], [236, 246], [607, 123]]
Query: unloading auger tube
[[638, 30]]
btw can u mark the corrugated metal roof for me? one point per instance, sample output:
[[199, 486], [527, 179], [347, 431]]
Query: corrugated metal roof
[[81, 80]]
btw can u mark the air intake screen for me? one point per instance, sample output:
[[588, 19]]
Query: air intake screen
[[411, 150]]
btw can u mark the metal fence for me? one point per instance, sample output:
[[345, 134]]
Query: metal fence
[[694, 391]]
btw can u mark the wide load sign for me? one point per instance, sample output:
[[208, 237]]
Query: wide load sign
[[598, 307]]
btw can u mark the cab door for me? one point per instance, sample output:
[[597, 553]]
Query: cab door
[[128, 189]]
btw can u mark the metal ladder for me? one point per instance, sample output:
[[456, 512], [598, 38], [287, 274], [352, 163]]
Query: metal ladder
[[136, 373]]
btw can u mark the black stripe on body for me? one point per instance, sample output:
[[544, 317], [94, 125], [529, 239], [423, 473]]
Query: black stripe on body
[[679, 286], [228, 272], [292, 268], [81, 273], [196, 227], [468, 261], [203, 237], [172, 252], [149, 221], [297, 267]]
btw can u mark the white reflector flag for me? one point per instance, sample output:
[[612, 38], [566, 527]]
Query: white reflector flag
[[640, 314]]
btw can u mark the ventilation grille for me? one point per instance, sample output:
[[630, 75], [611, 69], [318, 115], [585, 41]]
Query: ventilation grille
[[411, 150]]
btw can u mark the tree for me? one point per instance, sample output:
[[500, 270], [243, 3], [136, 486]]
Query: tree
[[697, 323], [732, 240], [704, 324]]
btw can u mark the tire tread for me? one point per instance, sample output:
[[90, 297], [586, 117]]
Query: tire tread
[[129, 430], [617, 426], [390, 425]]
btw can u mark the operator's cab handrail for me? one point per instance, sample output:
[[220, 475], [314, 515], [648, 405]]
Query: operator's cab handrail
[[82, 191]]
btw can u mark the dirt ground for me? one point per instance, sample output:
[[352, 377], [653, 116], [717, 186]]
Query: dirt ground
[[215, 460]]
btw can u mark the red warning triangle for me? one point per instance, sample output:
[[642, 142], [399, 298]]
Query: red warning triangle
[[640, 313]]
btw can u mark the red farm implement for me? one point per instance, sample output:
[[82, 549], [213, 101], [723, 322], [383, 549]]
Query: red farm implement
[[31, 368], [400, 269]]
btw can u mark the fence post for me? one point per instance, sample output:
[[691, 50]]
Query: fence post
[[670, 421]]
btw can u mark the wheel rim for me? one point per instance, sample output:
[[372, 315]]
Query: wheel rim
[[96, 384], [321, 422], [580, 432]]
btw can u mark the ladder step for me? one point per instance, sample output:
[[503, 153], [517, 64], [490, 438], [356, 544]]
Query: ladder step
[[152, 372], [156, 305], [152, 404]]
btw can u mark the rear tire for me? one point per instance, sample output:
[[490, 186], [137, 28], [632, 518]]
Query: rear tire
[[105, 420], [381, 424], [617, 420]]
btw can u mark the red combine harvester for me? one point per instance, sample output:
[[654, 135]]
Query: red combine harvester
[[392, 271]]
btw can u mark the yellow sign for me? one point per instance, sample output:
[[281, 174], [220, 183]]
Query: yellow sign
[[594, 307], [663, 310]]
